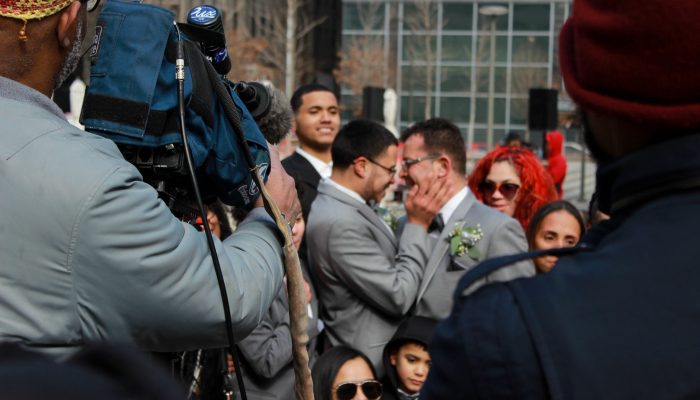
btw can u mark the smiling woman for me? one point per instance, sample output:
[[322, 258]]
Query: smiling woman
[[512, 180]]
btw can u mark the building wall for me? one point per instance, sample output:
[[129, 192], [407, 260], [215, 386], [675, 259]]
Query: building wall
[[437, 57]]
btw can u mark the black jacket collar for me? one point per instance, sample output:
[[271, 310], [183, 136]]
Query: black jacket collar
[[659, 170]]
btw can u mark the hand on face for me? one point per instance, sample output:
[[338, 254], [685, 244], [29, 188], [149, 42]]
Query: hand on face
[[424, 200]]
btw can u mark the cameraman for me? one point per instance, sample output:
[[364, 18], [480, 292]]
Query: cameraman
[[88, 251]]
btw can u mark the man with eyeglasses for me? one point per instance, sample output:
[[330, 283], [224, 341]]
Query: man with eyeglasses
[[88, 251], [435, 148], [367, 279]]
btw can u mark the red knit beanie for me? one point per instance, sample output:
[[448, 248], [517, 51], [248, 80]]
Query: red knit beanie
[[638, 60]]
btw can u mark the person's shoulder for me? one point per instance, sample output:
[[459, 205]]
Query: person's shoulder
[[489, 218], [294, 162], [66, 149], [484, 349]]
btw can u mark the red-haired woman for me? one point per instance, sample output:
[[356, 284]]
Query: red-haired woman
[[512, 180]]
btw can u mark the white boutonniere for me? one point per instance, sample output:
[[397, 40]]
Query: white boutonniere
[[463, 240], [389, 217]]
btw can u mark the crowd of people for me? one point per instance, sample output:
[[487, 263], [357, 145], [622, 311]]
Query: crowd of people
[[490, 286], [378, 286]]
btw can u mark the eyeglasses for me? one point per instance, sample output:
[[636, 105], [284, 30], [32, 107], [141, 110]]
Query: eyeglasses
[[90, 4], [347, 390], [508, 190], [391, 170], [406, 163]]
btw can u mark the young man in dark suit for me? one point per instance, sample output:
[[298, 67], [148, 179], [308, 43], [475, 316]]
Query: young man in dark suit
[[316, 123]]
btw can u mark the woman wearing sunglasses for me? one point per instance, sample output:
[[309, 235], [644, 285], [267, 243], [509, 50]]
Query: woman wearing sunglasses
[[514, 182], [343, 373]]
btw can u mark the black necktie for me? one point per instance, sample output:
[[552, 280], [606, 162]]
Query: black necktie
[[437, 224]]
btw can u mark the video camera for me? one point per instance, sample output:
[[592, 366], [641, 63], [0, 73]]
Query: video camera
[[132, 99]]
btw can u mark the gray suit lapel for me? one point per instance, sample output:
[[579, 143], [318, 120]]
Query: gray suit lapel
[[442, 246], [364, 210]]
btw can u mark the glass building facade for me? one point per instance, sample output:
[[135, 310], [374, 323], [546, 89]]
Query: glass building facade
[[437, 56]]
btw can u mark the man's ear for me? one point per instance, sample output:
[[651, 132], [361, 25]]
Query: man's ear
[[359, 166], [67, 22], [443, 166], [294, 125]]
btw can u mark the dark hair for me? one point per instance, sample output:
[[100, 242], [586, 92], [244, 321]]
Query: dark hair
[[512, 136], [218, 208], [545, 210], [296, 99], [328, 365], [360, 138], [441, 136]]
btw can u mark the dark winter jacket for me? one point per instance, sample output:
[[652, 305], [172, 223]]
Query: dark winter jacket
[[618, 320]]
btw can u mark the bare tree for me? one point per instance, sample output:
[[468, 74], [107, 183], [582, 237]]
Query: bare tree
[[363, 59], [523, 78], [421, 22], [281, 37]]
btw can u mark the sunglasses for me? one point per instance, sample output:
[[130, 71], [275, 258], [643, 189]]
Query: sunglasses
[[508, 190], [371, 388]]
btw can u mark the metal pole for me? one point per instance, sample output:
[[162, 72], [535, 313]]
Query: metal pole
[[492, 70]]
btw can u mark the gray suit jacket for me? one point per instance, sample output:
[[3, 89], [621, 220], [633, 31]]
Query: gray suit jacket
[[366, 280], [502, 236], [268, 370], [89, 253]]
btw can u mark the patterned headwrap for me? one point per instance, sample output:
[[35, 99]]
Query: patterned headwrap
[[31, 9], [25, 10]]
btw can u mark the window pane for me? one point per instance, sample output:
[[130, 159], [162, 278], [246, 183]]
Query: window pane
[[456, 48], [479, 138], [350, 107], [421, 16], [456, 109], [362, 43], [499, 80], [364, 16], [418, 78], [457, 16], [413, 108], [518, 111], [525, 78], [484, 48], [531, 17], [499, 111], [456, 79], [420, 48], [531, 49]]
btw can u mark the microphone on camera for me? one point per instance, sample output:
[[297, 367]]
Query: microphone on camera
[[269, 107], [209, 18]]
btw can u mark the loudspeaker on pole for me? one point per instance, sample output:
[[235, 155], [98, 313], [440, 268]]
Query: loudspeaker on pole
[[373, 103]]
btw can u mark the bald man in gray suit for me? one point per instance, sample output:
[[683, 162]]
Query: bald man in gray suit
[[367, 279], [435, 148]]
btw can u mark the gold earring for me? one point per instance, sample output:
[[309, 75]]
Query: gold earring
[[22, 36]]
